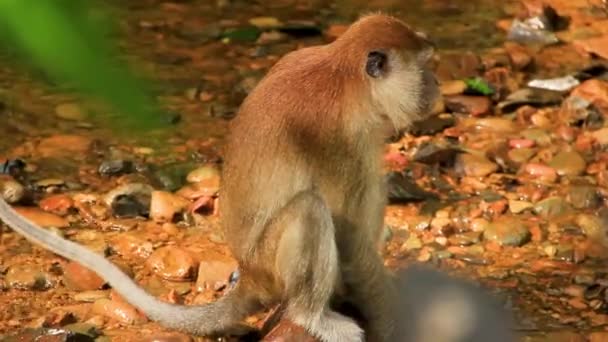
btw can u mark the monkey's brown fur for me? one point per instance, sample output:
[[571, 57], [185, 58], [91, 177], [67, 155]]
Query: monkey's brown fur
[[302, 196]]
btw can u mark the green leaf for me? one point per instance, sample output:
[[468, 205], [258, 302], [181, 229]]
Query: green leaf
[[243, 34], [63, 39], [479, 85]]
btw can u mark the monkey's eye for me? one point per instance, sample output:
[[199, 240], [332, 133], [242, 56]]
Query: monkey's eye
[[376, 64]]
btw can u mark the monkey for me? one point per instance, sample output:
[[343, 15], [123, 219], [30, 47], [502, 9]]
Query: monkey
[[302, 195]]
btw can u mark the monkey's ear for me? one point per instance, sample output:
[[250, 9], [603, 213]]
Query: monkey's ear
[[376, 64]]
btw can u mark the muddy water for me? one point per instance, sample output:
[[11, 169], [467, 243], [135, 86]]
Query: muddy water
[[520, 216]]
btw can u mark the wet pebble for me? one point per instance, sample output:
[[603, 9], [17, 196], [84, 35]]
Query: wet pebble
[[214, 273], [474, 165], [551, 206], [129, 200], [591, 225], [601, 136], [507, 231], [64, 146], [594, 91], [91, 296], [517, 207], [70, 111], [203, 173], [117, 310], [115, 167], [473, 105], [11, 190], [498, 125], [521, 143], [172, 263], [131, 246], [164, 205], [520, 155], [543, 173], [453, 87], [583, 196], [58, 204], [568, 163], [27, 277], [79, 278], [479, 224], [42, 218], [465, 239]]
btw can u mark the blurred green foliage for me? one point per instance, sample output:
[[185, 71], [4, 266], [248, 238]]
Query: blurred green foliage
[[68, 40]]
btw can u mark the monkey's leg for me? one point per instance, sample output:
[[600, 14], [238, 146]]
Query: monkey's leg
[[307, 263], [372, 291]]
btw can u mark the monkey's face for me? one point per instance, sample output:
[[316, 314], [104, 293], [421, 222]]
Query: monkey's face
[[402, 85]]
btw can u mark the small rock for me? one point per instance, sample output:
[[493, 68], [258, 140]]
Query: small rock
[[474, 105], [172, 263], [507, 231], [465, 239], [128, 206], [413, 242], [479, 224], [521, 143], [591, 225], [498, 125], [118, 310], [266, 22], [203, 173], [433, 124], [207, 187], [474, 165], [115, 167], [543, 173], [518, 54], [70, 111], [27, 277], [11, 190], [551, 206], [91, 296], [517, 207], [402, 188], [64, 146], [583, 196], [79, 278], [594, 91], [265, 38], [131, 246], [601, 136], [164, 205], [129, 200], [83, 328], [453, 87], [596, 45], [568, 163], [57, 204], [215, 273], [529, 96], [42, 218], [521, 155]]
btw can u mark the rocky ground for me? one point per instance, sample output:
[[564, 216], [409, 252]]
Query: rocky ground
[[507, 186]]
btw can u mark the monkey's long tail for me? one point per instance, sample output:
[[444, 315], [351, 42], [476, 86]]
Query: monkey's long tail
[[216, 318]]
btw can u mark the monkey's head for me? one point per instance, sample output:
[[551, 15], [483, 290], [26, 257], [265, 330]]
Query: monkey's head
[[393, 62]]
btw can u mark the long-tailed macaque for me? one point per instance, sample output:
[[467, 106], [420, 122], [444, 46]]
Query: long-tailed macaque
[[302, 193]]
